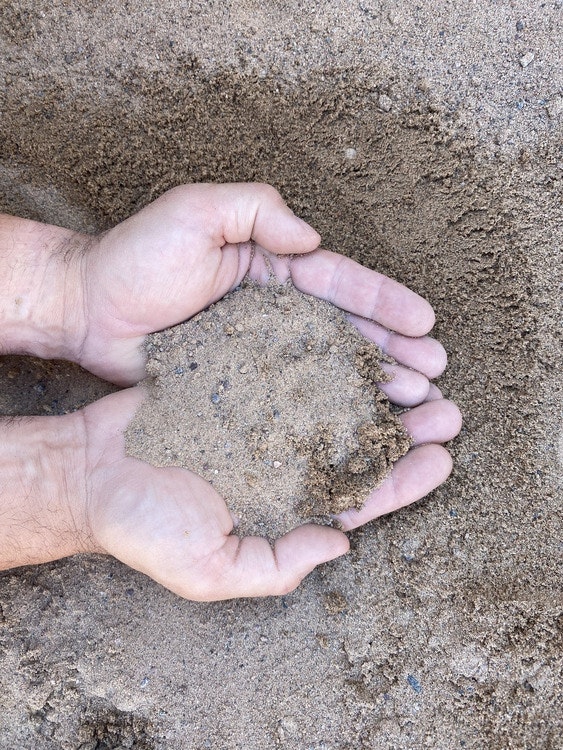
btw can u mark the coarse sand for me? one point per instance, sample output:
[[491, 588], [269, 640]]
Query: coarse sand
[[272, 396]]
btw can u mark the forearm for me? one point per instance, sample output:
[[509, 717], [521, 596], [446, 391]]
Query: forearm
[[42, 490], [41, 307]]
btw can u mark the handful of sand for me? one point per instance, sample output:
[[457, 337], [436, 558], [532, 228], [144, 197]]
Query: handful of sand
[[270, 395]]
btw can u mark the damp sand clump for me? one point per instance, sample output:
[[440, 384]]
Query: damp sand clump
[[272, 396]]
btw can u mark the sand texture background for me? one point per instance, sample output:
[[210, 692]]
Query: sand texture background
[[422, 140]]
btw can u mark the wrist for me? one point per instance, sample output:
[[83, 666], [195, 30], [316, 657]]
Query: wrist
[[41, 289], [43, 491]]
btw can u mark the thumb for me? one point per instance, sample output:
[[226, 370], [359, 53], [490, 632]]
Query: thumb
[[249, 567], [245, 211]]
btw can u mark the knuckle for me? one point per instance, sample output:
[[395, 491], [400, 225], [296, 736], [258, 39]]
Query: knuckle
[[268, 192]]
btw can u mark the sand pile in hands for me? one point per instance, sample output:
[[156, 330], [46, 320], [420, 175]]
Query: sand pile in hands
[[271, 396]]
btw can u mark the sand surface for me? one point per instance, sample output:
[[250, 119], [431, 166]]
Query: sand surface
[[422, 140], [271, 395]]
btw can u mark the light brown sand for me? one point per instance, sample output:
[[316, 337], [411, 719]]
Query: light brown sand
[[271, 396], [442, 627]]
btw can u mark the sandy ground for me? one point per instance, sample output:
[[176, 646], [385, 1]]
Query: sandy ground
[[442, 627]]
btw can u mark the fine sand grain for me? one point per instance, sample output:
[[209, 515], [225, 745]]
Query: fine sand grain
[[270, 395]]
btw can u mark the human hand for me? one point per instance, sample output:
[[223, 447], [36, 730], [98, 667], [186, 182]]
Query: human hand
[[205, 251], [195, 243], [172, 525], [68, 487], [137, 278]]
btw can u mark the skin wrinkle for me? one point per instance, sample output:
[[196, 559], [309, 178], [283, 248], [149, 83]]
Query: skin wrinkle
[[377, 294], [54, 261], [336, 280], [275, 558], [87, 533], [386, 343], [241, 226], [83, 276], [67, 497]]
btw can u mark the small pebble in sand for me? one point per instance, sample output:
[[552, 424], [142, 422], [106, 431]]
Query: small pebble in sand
[[555, 107], [526, 59], [385, 103]]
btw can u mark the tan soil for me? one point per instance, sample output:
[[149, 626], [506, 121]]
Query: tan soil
[[272, 396]]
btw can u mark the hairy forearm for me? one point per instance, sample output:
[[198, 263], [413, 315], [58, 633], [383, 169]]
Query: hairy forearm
[[42, 490], [41, 307]]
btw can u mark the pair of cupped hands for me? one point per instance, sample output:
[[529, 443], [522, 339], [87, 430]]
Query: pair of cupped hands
[[174, 258]]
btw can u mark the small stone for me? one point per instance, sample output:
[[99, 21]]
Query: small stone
[[350, 153], [251, 479], [555, 107], [414, 683], [215, 398], [385, 103], [472, 662], [335, 602], [519, 26], [526, 59], [539, 677], [277, 464], [287, 728]]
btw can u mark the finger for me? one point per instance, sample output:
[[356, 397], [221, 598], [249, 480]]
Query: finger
[[250, 567], [434, 393], [432, 422], [348, 285], [407, 387], [424, 354], [242, 211], [413, 476], [264, 264]]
